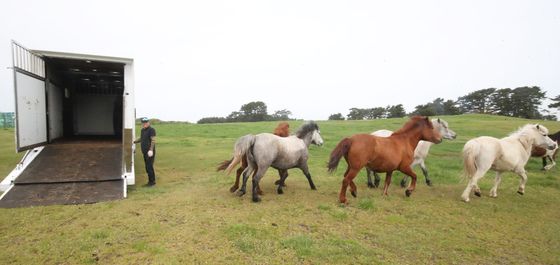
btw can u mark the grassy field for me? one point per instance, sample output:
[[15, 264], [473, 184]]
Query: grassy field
[[191, 217]]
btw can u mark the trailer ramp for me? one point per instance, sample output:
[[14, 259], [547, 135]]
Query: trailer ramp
[[70, 172]]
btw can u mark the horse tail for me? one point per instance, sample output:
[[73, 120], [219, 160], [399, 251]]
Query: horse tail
[[223, 165], [242, 146], [470, 152], [340, 150]]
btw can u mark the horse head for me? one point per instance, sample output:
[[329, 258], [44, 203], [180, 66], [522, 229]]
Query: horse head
[[316, 138], [427, 132], [310, 129], [540, 134], [443, 128]]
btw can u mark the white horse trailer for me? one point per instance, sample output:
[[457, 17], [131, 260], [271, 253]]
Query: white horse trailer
[[75, 119]]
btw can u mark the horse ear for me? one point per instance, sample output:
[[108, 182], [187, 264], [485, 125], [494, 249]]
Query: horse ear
[[538, 126], [438, 120]]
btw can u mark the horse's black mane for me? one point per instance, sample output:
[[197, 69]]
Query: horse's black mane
[[306, 128]]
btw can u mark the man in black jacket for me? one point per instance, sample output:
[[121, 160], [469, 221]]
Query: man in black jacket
[[148, 143]]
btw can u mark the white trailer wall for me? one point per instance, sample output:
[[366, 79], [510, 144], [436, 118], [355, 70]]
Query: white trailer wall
[[31, 110], [55, 105]]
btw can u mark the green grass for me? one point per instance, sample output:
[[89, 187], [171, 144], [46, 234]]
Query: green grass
[[191, 217]]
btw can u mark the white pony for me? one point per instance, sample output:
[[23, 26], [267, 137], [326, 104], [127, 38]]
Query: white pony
[[420, 153], [510, 153]]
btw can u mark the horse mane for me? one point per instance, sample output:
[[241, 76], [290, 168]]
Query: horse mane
[[306, 128], [521, 130], [412, 124]]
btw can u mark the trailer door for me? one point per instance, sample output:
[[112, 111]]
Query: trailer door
[[30, 98]]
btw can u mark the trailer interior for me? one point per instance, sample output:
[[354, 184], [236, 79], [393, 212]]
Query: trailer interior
[[84, 99], [83, 159]]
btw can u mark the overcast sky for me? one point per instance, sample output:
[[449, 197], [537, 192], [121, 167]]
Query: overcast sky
[[206, 58]]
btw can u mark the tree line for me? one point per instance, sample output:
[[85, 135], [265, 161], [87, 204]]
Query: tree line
[[250, 112], [522, 102]]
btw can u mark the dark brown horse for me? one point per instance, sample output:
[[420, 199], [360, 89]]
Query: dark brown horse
[[382, 154], [547, 154], [282, 130]]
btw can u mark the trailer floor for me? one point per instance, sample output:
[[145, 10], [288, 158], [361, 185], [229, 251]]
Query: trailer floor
[[25, 195], [77, 160], [72, 171]]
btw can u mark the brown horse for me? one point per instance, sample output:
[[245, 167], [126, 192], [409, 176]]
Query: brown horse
[[282, 130], [547, 154], [382, 154]]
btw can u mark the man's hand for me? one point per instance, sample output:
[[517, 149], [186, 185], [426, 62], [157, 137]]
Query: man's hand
[[150, 153]]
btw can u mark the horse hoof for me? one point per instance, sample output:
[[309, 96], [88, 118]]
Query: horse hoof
[[403, 184], [376, 184], [240, 193], [277, 182], [256, 199], [429, 183], [233, 189], [477, 193], [354, 194], [370, 185], [407, 193], [280, 191], [520, 192]]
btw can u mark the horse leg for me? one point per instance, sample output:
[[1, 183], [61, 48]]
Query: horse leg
[[405, 177], [544, 163], [246, 174], [240, 170], [259, 191], [473, 184], [476, 188], [283, 175], [523, 176], [376, 176], [280, 179], [348, 177], [408, 171], [467, 192], [369, 182], [237, 176], [404, 181], [552, 163], [425, 172], [377, 179], [305, 170], [353, 189], [497, 180], [388, 177], [256, 179]]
